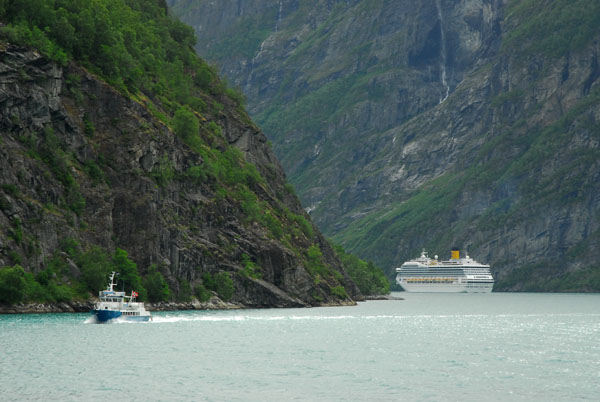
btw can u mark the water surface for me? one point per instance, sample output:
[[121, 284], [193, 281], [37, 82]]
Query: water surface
[[428, 347]]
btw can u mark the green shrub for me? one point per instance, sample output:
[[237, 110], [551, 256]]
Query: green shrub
[[236, 95], [57, 265], [33, 36], [128, 273], [186, 126], [71, 247], [214, 128], [60, 293], [163, 172], [15, 257], [204, 76], [221, 283], [95, 265], [339, 291], [75, 200], [185, 291], [88, 127], [36, 288], [12, 284], [303, 224], [10, 189], [225, 287], [369, 278], [94, 171], [197, 173], [156, 286], [202, 293], [272, 223], [251, 269], [290, 189], [314, 262]]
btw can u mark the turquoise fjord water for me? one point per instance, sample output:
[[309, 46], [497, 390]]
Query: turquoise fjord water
[[428, 347]]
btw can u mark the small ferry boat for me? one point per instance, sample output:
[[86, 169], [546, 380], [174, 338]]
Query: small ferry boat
[[115, 304], [457, 274]]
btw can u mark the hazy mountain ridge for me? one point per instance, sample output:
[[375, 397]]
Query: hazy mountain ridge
[[353, 96]]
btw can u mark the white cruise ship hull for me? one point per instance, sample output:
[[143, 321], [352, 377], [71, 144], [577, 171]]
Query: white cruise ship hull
[[447, 288], [457, 275]]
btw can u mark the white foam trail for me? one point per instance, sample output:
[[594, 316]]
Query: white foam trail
[[91, 320], [238, 318], [94, 320], [171, 319], [316, 318]]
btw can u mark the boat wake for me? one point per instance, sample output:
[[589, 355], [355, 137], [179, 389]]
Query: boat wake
[[120, 320], [214, 318], [91, 320]]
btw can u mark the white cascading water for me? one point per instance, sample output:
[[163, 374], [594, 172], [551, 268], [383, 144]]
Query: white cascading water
[[442, 52], [279, 15]]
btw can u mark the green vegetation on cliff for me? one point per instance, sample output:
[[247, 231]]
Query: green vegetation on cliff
[[432, 216], [352, 94], [133, 44], [370, 279], [550, 27], [49, 286], [147, 57]]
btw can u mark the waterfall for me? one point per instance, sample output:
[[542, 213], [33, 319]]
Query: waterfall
[[262, 45], [279, 15], [442, 51]]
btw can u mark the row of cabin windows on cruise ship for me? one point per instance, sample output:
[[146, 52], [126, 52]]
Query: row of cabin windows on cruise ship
[[440, 280]]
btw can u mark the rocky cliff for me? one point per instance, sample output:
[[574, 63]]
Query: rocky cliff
[[81, 162], [430, 124]]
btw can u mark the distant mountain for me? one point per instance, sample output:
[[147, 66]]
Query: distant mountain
[[439, 123], [121, 150]]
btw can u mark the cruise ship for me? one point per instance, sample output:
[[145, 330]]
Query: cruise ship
[[115, 304], [457, 274]]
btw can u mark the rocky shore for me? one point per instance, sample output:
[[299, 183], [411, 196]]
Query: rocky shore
[[383, 297], [214, 303]]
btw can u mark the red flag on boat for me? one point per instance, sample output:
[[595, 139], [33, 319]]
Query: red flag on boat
[[134, 293]]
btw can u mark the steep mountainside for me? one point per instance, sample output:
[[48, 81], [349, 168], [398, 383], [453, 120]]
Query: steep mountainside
[[185, 184], [430, 124]]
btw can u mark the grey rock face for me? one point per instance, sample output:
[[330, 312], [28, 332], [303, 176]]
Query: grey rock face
[[384, 63], [180, 226], [407, 124]]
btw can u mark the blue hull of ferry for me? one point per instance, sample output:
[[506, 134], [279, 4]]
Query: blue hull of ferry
[[107, 315]]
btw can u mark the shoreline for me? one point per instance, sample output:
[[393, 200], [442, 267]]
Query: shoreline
[[85, 307], [214, 303], [383, 297]]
